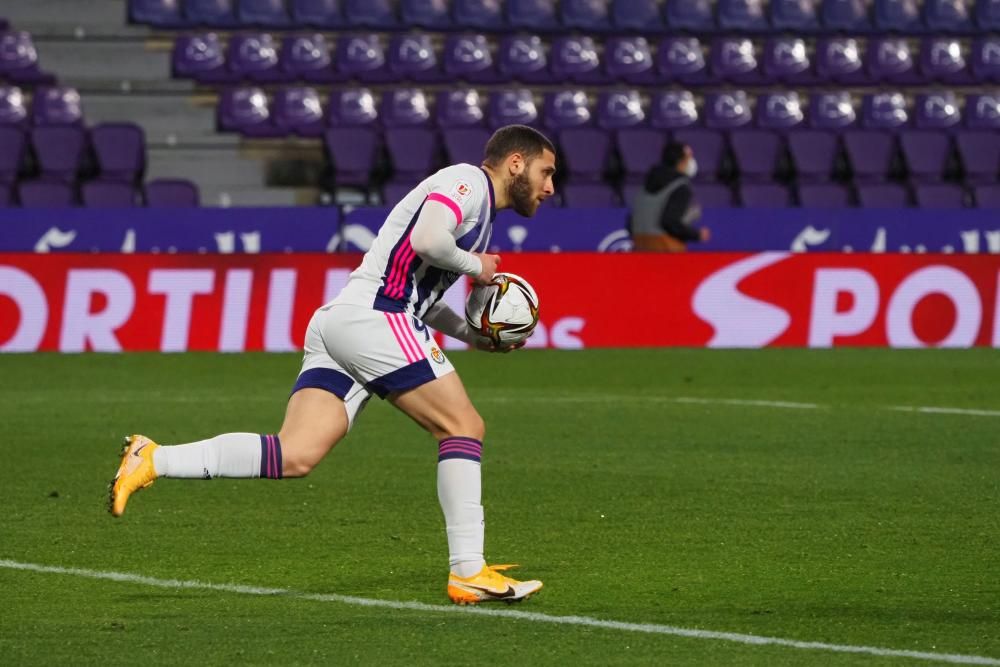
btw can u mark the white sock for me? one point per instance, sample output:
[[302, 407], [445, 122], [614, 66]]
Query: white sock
[[460, 494], [227, 455]]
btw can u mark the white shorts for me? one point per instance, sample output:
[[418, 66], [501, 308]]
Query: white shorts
[[354, 352]]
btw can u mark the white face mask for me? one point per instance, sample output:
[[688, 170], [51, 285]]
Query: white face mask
[[691, 168]]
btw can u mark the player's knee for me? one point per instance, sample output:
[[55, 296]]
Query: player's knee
[[301, 454], [470, 425]]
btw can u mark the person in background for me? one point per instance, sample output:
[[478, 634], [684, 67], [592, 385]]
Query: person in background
[[664, 211]]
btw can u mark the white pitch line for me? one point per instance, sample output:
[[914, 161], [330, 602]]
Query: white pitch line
[[638, 398], [931, 410], [586, 621], [747, 402]]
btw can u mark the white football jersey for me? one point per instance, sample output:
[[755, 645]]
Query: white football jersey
[[392, 278]]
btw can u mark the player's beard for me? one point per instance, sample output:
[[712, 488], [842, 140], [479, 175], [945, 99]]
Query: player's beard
[[519, 192]]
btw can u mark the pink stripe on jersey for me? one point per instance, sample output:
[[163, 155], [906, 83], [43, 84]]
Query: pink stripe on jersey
[[404, 324], [449, 202], [393, 324], [400, 268]]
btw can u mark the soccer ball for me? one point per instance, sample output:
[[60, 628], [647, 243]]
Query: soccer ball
[[505, 311]]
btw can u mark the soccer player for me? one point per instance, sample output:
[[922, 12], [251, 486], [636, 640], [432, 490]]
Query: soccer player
[[372, 339]]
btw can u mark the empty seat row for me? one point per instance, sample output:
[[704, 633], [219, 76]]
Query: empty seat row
[[474, 58], [162, 193], [649, 16], [61, 151]]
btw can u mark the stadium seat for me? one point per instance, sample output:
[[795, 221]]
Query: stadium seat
[[317, 13], [785, 59], [585, 15], [831, 111], [888, 60], [201, 57], [982, 111], [589, 195], [411, 140], [619, 109], [13, 107], [838, 59], [308, 58], [942, 60], [709, 149], [734, 60], [575, 59], [352, 151], [779, 111], [939, 195], [823, 195], [412, 58], [467, 57], [479, 15], [795, 15], [764, 195], [640, 149], [586, 151], [714, 195], [247, 111], [171, 193], [883, 195], [870, 153], [925, 153], [109, 194], [46, 194], [120, 150], [59, 150], [298, 110], [372, 14], [987, 196], [522, 58], [900, 16], [19, 60], [682, 59], [673, 109], [629, 59], [156, 13], [254, 57], [210, 13], [362, 57], [465, 144], [513, 106], [566, 108], [692, 15], [985, 59], [884, 111], [727, 110], [537, 15], [263, 13], [851, 16], [742, 15], [980, 155], [936, 111], [6, 195], [459, 108], [947, 16], [814, 153], [987, 14], [427, 14], [394, 190], [13, 146], [57, 105], [637, 16], [756, 153]]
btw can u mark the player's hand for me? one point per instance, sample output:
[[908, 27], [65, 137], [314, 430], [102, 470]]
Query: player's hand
[[490, 265], [487, 345]]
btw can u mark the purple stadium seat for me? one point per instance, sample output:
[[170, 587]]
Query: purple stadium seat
[[980, 154], [317, 13], [982, 111], [682, 59], [728, 110], [255, 57], [120, 150], [429, 14], [6, 195], [619, 109], [479, 15], [640, 149], [824, 195], [171, 193], [987, 15], [589, 195], [987, 196], [412, 58], [396, 189], [787, 60], [109, 194], [814, 153], [902, 16], [247, 111], [939, 195], [742, 15], [354, 107], [585, 15], [19, 59], [567, 108], [405, 107], [714, 195], [986, 59], [263, 13], [575, 58], [636, 16], [756, 153], [937, 111], [352, 151], [210, 13], [883, 195], [13, 109], [693, 15], [513, 106], [59, 150], [522, 58], [838, 59], [467, 57], [308, 58], [586, 151], [374, 14], [889, 61], [832, 111], [13, 145], [942, 59], [465, 144], [673, 109], [779, 111], [708, 147], [764, 195], [298, 110], [45, 194], [629, 59], [846, 15], [884, 111], [461, 108], [734, 60], [201, 57], [870, 153], [363, 57], [947, 16], [538, 15], [412, 142], [795, 15], [157, 13], [926, 153]]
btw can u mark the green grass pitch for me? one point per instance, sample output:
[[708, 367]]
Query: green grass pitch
[[848, 523]]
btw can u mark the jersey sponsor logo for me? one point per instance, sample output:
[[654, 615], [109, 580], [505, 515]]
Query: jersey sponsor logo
[[461, 190]]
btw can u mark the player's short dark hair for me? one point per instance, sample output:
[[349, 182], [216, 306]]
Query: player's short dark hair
[[673, 153], [522, 139]]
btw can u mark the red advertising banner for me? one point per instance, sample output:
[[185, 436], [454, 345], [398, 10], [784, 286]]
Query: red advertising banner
[[110, 302]]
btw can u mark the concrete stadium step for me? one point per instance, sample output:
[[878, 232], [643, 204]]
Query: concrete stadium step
[[68, 18], [168, 119]]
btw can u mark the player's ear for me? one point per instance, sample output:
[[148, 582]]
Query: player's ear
[[515, 163]]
